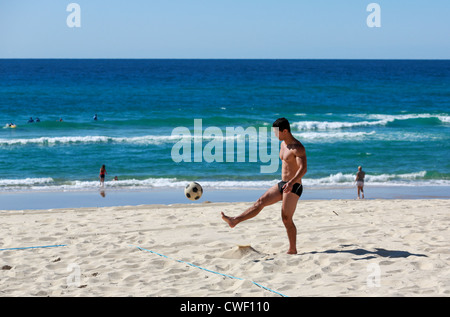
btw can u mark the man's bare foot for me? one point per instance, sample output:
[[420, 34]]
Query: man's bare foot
[[292, 251], [230, 220]]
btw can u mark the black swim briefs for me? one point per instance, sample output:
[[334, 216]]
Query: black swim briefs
[[296, 189]]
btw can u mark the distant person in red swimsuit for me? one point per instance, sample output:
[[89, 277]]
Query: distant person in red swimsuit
[[102, 175]]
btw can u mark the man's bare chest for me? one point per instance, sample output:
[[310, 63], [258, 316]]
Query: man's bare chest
[[286, 155]]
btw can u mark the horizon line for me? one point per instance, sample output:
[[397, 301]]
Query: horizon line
[[218, 58]]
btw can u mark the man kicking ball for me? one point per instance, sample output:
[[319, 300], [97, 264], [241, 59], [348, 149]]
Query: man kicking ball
[[289, 190]]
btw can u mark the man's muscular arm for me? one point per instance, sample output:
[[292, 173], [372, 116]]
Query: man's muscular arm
[[300, 157]]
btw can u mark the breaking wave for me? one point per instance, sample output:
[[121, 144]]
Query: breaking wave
[[379, 120], [334, 180]]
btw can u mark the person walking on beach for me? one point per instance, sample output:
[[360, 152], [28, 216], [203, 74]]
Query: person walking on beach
[[360, 181], [102, 175], [288, 190]]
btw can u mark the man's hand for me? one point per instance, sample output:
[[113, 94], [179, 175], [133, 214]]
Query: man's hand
[[287, 188]]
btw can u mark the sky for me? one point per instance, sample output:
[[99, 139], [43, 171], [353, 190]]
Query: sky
[[273, 29]]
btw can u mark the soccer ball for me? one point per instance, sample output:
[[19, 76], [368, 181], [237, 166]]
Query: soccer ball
[[193, 191]]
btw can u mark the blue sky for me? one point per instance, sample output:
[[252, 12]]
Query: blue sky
[[225, 29]]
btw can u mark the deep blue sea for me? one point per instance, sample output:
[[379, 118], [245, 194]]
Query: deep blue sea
[[392, 117]]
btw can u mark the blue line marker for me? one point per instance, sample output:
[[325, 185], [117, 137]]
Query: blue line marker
[[37, 247], [207, 270]]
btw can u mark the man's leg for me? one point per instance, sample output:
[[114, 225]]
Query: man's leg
[[270, 197], [287, 212]]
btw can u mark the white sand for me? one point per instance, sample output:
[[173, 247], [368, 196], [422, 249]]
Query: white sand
[[346, 248]]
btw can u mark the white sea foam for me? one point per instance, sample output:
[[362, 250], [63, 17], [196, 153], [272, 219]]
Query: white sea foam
[[390, 118], [143, 140], [383, 179], [333, 136], [314, 136], [25, 182], [369, 120], [339, 136], [322, 136], [379, 120], [445, 119], [327, 125], [333, 180], [146, 139]]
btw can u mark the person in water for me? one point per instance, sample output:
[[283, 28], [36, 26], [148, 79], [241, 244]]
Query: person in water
[[288, 190], [360, 181], [102, 175]]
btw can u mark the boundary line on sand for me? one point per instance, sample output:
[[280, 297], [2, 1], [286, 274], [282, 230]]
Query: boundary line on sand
[[37, 247], [210, 271]]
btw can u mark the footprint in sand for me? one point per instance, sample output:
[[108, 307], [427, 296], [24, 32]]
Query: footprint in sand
[[240, 252], [314, 277]]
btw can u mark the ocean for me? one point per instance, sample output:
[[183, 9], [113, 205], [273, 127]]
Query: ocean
[[392, 117]]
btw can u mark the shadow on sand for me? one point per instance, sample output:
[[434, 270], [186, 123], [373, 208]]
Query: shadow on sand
[[370, 254]]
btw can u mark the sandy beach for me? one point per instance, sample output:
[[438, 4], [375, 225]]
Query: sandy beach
[[346, 248]]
